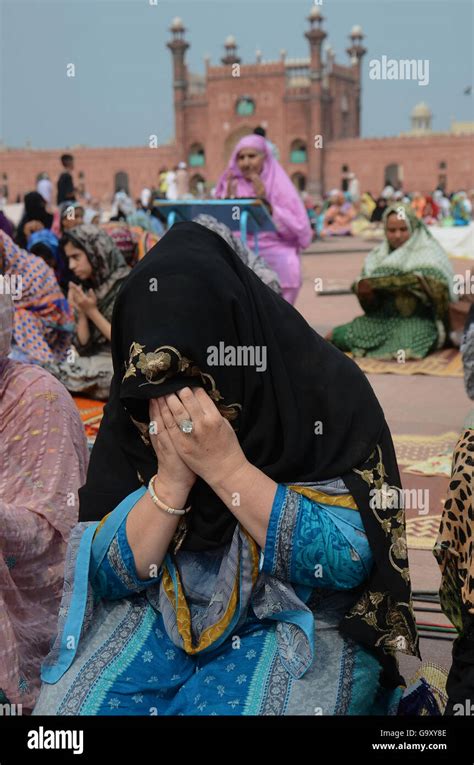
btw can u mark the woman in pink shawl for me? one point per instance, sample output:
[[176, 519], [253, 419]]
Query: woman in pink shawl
[[43, 462], [253, 171]]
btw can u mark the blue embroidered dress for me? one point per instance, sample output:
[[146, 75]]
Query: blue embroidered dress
[[224, 632]]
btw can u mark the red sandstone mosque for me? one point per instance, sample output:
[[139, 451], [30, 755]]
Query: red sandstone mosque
[[310, 108]]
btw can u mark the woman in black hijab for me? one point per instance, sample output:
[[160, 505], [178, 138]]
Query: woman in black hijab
[[35, 210], [274, 511], [378, 211]]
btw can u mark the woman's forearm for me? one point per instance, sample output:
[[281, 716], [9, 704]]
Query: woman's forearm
[[150, 530], [248, 494], [82, 329], [101, 323]]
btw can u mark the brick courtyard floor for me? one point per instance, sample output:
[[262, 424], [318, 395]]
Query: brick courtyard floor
[[416, 404]]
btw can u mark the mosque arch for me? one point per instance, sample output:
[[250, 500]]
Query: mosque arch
[[393, 175], [197, 155], [299, 180], [121, 182], [298, 151]]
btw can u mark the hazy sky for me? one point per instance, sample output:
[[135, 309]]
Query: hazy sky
[[122, 91]]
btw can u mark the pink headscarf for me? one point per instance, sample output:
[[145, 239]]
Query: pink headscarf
[[280, 191]]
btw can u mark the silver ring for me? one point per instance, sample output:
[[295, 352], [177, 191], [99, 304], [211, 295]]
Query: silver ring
[[186, 426]]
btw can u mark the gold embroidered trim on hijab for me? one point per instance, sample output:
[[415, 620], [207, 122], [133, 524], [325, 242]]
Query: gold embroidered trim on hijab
[[166, 362]]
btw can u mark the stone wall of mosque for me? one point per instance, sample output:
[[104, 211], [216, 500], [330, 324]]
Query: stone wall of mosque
[[420, 162], [99, 168]]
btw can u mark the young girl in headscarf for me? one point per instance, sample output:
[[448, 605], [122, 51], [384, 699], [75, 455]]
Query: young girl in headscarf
[[100, 269], [405, 288], [253, 171], [43, 461]]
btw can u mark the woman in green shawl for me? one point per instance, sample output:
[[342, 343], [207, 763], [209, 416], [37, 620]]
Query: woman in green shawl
[[405, 288], [100, 269]]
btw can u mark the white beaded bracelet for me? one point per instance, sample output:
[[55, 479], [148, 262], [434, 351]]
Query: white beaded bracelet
[[161, 505]]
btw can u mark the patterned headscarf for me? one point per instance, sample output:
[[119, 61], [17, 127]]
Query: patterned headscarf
[[255, 262], [123, 238], [420, 254], [108, 264]]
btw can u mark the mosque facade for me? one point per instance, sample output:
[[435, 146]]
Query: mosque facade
[[310, 108]]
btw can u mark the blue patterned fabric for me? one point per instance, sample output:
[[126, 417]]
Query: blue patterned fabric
[[127, 661]]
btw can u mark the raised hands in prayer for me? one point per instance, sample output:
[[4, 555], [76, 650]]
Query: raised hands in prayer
[[84, 302]]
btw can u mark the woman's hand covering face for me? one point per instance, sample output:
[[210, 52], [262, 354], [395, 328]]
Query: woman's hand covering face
[[171, 467], [212, 450]]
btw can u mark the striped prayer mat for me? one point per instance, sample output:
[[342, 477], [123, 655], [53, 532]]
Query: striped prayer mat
[[445, 363], [422, 532]]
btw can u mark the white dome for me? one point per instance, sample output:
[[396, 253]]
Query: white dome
[[230, 41], [356, 31], [421, 110], [315, 13], [177, 24]]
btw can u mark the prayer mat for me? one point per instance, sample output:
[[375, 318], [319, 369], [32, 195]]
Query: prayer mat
[[439, 464], [445, 363], [418, 448], [422, 532], [91, 416]]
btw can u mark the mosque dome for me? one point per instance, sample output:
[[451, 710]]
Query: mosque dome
[[177, 25], [421, 110], [315, 13]]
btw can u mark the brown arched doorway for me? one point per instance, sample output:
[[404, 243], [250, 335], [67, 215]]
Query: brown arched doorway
[[393, 176], [197, 186], [121, 182], [299, 180]]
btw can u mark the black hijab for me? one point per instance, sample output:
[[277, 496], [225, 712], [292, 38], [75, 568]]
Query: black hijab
[[312, 415], [378, 211], [35, 209]]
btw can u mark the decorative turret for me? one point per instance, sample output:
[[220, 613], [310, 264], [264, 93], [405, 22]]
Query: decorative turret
[[421, 116], [178, 47], [357, 50], [231, 56], [315, 35]]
